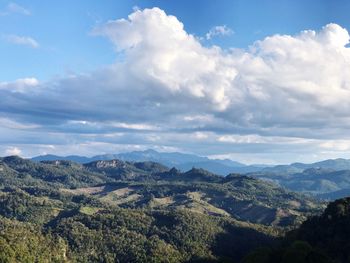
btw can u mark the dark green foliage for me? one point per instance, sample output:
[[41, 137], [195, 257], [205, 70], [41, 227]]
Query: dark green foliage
[[20, 172], [323, 238], [329, 232], [242, 197], [21, 242], [299, 251], [136, 236], [23, 207]]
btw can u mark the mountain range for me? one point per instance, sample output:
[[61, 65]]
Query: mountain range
[[108, 210], [181, 161], [328, 179], [130, 184], [123, 211]]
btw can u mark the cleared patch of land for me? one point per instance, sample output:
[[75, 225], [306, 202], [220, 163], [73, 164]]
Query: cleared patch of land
[[84, 190], [89, 210]]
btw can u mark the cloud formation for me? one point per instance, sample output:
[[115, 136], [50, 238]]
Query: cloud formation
[[160, 53], [287, 81], [22, 40], [218, 31], [13, 151], [19, 85], [15, 9], [170, 90]]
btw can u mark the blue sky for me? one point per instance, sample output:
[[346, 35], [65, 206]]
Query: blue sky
[[238, 80], [62, 28]]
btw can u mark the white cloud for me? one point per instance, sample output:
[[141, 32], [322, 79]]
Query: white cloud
[[258, 139], [14, 8], [201, 135], [289, 81], [219, 31], [19, 85], [282, 87], [22, 40], [336, 145], [12, 124], [159, 51], [13, 151], [298, 80], [134, 126]]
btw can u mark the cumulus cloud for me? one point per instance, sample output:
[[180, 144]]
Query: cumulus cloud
[[297, 81], [218, 31], [168, 84], [291, 82], [22, 40], [281, 80], [161, 52]]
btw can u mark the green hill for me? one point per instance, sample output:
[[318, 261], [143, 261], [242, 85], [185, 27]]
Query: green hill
[[142, 211], [323, 238]]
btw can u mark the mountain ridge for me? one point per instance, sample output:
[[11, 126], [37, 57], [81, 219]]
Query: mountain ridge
[[182, 161], [132, 184], [112, 210], [327, 179]]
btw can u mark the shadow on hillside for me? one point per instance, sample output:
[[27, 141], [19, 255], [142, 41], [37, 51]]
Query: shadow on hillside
[[236, 242]]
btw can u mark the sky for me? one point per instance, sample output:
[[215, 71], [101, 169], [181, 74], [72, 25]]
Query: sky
[[254, 81]]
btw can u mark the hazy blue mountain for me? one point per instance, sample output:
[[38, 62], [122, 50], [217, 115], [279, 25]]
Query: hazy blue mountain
[[333, 164], [172, 158], [325, 183], [329, 179], [181, 161], [335, 195], [185, 162], [281, 169], [216, 167]]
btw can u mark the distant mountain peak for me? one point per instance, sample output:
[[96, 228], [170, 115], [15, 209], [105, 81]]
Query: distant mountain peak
[[174, 171], [14, 159], [150, 151]]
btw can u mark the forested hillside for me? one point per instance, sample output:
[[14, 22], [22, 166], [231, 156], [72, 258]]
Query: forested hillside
[[108, 211], [320, 239]]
